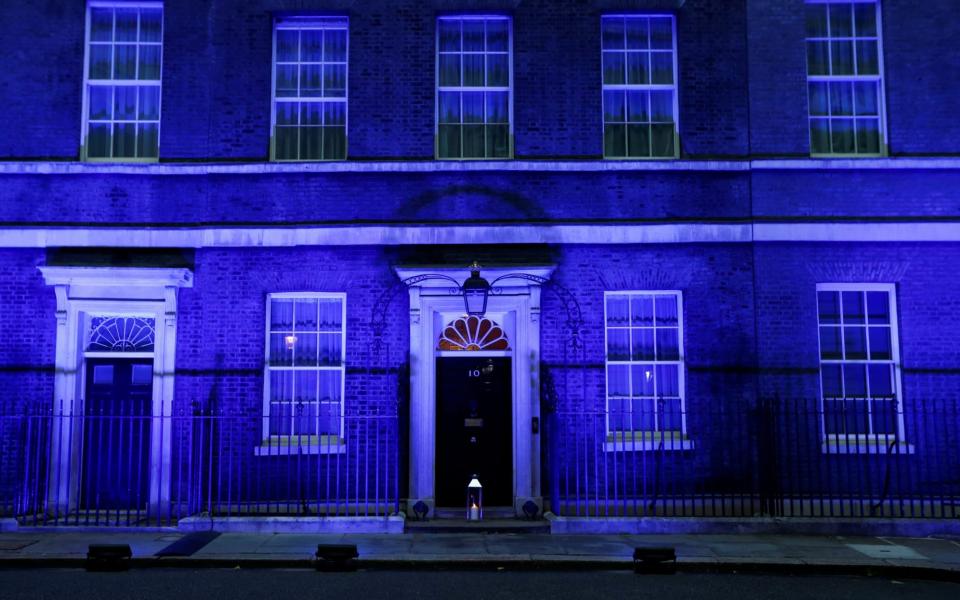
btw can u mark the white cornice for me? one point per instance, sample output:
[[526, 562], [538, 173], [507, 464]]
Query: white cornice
[[446, 166], [126, 277]]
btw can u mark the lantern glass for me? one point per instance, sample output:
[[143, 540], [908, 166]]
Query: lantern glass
[[474, 500], [475, 302]]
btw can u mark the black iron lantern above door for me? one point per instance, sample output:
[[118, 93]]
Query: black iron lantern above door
[[475, 291]]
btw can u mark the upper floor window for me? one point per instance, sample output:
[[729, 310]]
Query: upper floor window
[[845, 77], [309, 116], [121, 88], [645, 379], [859, 364], [639, 86], [474, 81], [304, 372]]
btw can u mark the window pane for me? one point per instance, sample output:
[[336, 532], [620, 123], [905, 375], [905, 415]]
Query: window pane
[[448, 141], [281, 387], [855, 380], [473, 35], [613, 106], [286, 144], [473, 70], [865, 94], [311, 113], [101, 61], [884, 416], [643, 416], [638, 106], [618, 344], [473, 141], [618, 308], [843, 136], [661, 33], [613, 37], [124, 140], [498, 141], [151, 24], [149, 63], [878, 307], [880, 343], [668, 347], [498, 74], [841, 20], [638, 68], [329, 417], [666, 310], [311, 45], [304, 387], [643, 344], [853, 309], [667, 380], [841, 98], [865, 19], [641, 310], [334, 81], [498, 37], [819, 136], [868, 136], [497, 107], [816, 20], [449, 34], [286, 80], [281, 315], [818, 58], [855, 343], [334, 113], [841, 58], [638, 140], [101, 24], [671, 417], [310, 86], [125, 102], [449, 107], [450, 69], [613, 68], [305, 344], [147, 140], [330, 349], [856, 420], [472, 107], [149, 103], [287, 45], [868, 62], [335, 45], [637, 33], [661, 67], [661, 106], [287, 113], [828, 307], [311, 142], [830, 379], [618, 380], [819, 100], [662, 140], [98, 140], [830, 345], [125, 25], [614, 140], [881, 380], [334, 143], [642, 377], [124, 61], [101, 102]]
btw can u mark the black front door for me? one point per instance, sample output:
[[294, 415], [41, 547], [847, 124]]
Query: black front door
[[474, 434], [115, 465]]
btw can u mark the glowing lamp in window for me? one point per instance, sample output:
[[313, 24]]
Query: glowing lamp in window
[[474, 500]]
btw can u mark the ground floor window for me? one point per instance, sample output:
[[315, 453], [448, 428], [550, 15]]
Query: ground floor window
[[304, 369], [859, 362], [644, 365]]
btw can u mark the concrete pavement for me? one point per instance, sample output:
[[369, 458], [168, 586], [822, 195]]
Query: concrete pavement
[[896, 556]]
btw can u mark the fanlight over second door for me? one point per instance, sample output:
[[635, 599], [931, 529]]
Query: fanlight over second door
[[472, 334]]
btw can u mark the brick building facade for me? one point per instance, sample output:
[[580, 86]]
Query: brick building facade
[[706, 313]]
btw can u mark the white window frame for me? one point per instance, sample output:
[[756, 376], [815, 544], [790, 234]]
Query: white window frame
[[87, 82], [880, 78], [653, 439], [301, 23], [438, 89], [626, 87], [871, 443], [274, 445]]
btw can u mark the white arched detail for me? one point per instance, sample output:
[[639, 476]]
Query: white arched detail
[[472, 334], [515, 308]]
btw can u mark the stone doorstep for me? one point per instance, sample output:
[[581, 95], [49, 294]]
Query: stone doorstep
[[319, 525]]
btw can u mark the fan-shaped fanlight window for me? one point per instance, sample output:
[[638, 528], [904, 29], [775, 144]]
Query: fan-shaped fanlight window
[[121, 334], [472, 334]]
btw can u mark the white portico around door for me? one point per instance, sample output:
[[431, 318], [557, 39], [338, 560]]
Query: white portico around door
[[515, 306]]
